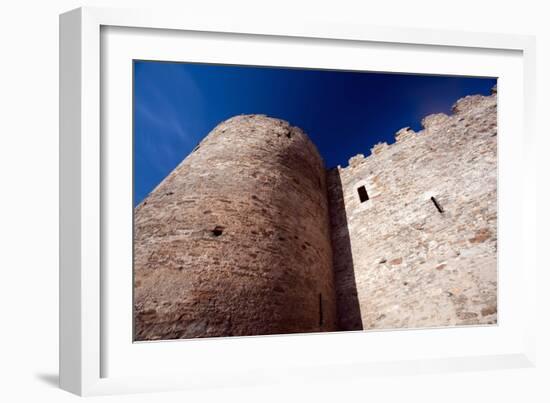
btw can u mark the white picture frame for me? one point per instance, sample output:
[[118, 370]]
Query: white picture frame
[[91, 324]]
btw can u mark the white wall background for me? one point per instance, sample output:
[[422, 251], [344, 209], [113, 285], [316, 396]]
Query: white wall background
[[29, 201]]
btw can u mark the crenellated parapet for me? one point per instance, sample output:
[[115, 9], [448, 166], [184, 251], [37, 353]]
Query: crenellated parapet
[[414, 225], [431, 125], [251, 235]]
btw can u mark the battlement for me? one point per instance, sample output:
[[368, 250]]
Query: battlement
[[414, 224], [260, 244], [462, 109]]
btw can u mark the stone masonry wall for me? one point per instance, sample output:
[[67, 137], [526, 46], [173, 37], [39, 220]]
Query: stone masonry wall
[[398, 261], [235, 241]]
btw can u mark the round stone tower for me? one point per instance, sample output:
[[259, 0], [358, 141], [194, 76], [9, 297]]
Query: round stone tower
[[235, 241]]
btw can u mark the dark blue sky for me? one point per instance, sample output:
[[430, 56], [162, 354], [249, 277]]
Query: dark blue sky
[[344, 113]]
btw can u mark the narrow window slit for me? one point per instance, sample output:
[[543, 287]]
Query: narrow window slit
[[363, 195], [321, 319], [436, 204]]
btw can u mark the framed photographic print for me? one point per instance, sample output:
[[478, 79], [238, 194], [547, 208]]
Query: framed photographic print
[[244, 202]]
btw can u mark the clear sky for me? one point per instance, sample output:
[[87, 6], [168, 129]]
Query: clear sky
[[344, 113]]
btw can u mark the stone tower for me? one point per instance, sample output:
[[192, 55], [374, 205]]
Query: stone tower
[[236, 240], [250, 234], [414, 225]]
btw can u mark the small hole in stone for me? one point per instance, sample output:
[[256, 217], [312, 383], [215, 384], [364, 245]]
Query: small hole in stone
[[289, 134], [218, 230]]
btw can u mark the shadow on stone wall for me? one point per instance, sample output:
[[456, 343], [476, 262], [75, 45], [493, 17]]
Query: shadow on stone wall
[[349, 311]]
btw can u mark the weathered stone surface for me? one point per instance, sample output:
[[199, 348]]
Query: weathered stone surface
[[250, 235], [467, 103], [434, 121], [398, 261], [356, 160], [378, 148], [235, 241], [404, 134]]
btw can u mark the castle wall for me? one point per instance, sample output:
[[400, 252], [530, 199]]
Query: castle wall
[[398, 261], [235, 241]]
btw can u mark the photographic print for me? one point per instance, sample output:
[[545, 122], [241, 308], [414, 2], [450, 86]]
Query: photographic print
[[273, 200]]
